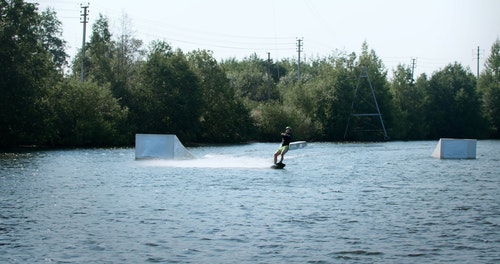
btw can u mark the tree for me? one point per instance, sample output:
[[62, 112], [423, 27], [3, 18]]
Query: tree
[[100, 53], [50, 37], [370, 127], [408, 104], [271, 117], [249, 78], [87, 115], [452, 104], [126, 62], [344, 81], [27, 72], [489, 87], [321, 97], [223, 118], [169, 99]]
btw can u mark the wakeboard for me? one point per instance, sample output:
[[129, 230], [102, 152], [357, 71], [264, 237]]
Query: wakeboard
[[279, 165]]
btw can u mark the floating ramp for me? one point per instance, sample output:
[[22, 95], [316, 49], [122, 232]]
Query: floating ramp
[[297, 145], [449, 148], [160, 146]]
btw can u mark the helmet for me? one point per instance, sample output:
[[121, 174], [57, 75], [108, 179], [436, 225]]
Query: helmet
[[288, 128]]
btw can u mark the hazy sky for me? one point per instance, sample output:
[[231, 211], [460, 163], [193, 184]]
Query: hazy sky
[[434, 32]]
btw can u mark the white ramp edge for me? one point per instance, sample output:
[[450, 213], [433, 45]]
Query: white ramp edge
[[297, 145], [160, 146], [451, 148]]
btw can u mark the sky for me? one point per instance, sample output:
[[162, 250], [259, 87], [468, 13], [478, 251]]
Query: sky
[[432, 33]]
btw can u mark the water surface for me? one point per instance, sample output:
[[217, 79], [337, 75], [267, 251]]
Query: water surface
[[333, 203]]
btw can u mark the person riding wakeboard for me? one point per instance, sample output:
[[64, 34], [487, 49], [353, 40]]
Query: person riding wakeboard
[[286, 137]]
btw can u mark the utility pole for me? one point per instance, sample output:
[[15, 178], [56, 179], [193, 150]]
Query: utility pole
[[268, 76], [478, 62], [84, 20], [299, 49], [413, 65]]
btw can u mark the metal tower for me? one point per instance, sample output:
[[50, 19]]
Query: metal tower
[[365, 111]]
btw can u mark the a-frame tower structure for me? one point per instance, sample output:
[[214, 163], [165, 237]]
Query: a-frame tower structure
[[365, 114]]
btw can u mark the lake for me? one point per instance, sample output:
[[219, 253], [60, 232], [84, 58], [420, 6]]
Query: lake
[[333, 203]]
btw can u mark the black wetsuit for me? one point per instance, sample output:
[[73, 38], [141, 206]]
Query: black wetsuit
[[285, 139]]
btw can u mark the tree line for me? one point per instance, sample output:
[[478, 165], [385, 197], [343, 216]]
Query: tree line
[[129, 88]]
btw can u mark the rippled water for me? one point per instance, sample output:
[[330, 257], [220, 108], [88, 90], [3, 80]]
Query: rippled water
[[333, 203]]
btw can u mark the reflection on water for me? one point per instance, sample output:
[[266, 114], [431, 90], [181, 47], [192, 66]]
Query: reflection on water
[[362, 203]]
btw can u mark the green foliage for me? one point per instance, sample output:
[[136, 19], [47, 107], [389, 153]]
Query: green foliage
[[369, 69], [271, 118], [127, 60], [128, 90], [87, 114], [408, 105], [169, 98], [489, 88], [318, 99], [100, 52], [49, 34], [224, 118], [27, 71], [452, 104], [253, 78]]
